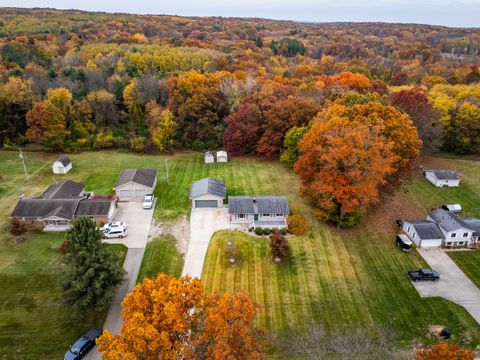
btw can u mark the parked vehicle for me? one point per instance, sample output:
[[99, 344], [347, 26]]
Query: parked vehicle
[[404, 243], [115, 224], [454, 208], [115, 232], [148, 201], [83, 345], [423, 274]]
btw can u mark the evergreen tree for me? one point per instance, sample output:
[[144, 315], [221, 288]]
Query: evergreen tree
[[93, 269]]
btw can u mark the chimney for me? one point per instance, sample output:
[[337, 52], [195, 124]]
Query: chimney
[[254, 200]]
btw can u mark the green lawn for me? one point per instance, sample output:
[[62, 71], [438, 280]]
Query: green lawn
[[469, 262], [34, 323], [161, 255], [338, 278]]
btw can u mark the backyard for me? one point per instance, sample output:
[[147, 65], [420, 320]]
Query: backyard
[[336, 278]]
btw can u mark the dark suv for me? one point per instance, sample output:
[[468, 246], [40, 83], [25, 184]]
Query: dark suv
[[423, 274], [83, 345]]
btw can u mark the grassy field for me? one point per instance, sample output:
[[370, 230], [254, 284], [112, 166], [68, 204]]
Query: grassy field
[[469, 262], [337, 278], [161, 255], [34, 323]]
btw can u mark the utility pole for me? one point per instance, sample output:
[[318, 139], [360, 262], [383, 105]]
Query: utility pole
[[23, 162], [166, 167]]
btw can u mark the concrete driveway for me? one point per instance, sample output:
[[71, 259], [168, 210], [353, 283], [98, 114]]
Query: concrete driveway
[[453, 285], [204, 222], [138, 222], [138, 227]]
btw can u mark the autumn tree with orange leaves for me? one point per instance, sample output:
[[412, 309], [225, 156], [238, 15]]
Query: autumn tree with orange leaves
[[167, 318], [342, 167], [444, 351]]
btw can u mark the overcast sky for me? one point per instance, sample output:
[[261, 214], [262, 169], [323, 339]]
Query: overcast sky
[[461, 13]]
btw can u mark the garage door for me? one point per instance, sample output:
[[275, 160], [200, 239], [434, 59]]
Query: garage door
[[431, 243], [126, 194], [206, 203], [140, 193]]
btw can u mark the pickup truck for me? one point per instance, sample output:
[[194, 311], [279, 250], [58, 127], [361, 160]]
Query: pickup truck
[[423, 274]]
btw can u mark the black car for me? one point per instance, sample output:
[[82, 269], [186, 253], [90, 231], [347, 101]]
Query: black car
[[404, 243], [83, 345], [423, 274]]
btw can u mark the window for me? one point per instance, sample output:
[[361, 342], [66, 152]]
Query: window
[[265, 214], [465, 234], [278, 215], [454, 235], [408, 229], [241, 216], [413, 237], [448, 243], [461, 243]]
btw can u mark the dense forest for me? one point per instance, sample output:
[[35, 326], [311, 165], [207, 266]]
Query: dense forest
[[308, 93]]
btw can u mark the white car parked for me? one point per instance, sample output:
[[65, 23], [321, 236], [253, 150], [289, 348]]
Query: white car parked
[[115, 224], [148, 201], [115, 232]]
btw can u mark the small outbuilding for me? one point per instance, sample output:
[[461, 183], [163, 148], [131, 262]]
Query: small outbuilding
[[208, 193], [209, 158], [443, 178], [62, 165], [134, 184], [222, 156]]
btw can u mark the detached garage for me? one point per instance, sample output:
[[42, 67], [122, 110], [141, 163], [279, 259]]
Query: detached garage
[[134, 184], [207, 193]]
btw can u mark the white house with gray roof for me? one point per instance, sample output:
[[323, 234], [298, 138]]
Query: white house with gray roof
[[443, 178], [207, 193], [250, 212], [443, 228]]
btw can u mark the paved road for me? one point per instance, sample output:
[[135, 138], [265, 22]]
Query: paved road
[[138, 226], [203, 224], [453, 285]]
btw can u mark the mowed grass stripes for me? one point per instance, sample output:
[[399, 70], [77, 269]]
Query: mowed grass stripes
[[337, 278]]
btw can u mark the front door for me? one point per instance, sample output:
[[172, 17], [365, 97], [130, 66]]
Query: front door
[[255, 217]]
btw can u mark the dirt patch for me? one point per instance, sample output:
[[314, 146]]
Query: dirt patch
[[180, 229]]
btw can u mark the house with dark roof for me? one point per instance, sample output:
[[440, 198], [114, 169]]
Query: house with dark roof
[[258, 211], [62, 165], [134, 184], [443, 228], [443, 178], [59, 204], [207, 193]]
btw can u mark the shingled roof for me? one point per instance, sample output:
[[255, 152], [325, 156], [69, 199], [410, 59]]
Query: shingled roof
[[63, 190], [445, 174], [258, 205], [447, 220], [65, 160], [45, 208], [93, 207], [208, 186], [427, 229], [145, 177]]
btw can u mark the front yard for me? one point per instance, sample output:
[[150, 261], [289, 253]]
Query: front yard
[[34, 323]]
